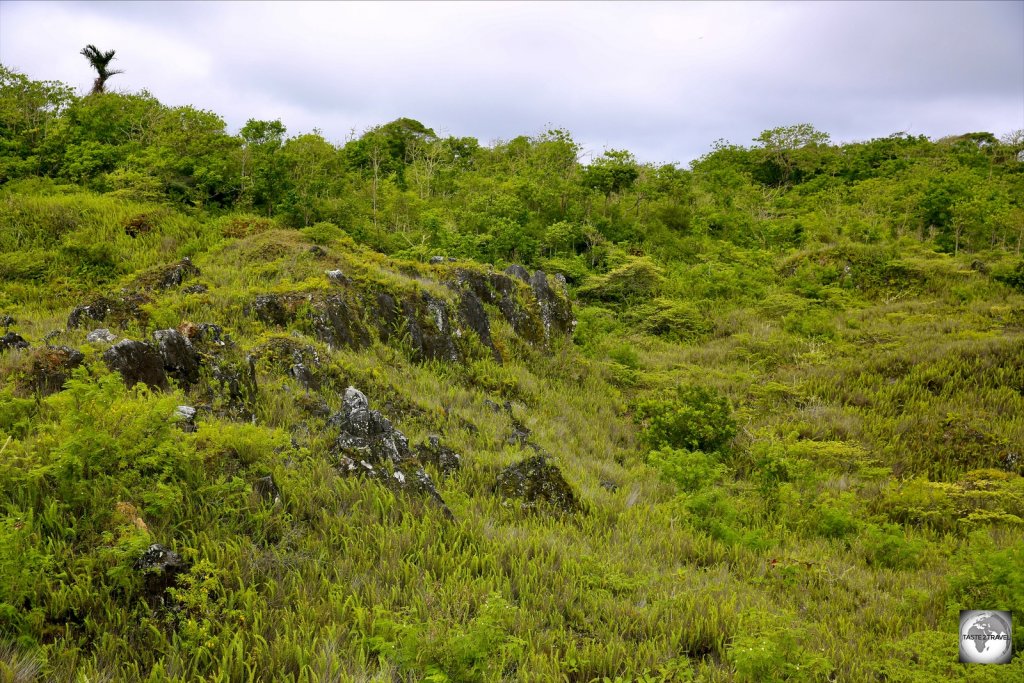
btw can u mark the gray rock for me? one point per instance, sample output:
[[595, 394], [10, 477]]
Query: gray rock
[[186, 418], [101, 336], [12, 341], [137, 362], [118, 311], [266, 488], [336, 276], [516, 270], [444, 459], [473, 315], [196, 289], [536, 482], [435, 260], [555, 310], [180, 360], [161, 568], [368, 444]]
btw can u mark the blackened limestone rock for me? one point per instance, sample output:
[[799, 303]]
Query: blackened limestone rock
[[161, 568], [181, 361], [369, 445], [445, 460], [536, 481], [12, 341], [137, 362], [51, 367]]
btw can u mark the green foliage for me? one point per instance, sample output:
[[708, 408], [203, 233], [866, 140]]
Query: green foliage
[[694, 418], [322, 232]]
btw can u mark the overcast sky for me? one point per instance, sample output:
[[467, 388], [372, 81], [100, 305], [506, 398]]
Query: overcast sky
[[661, 79]]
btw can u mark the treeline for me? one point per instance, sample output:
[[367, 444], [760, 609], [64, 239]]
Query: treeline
[[405, 190]]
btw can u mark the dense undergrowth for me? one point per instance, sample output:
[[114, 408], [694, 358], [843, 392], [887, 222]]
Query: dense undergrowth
[[791, 407]]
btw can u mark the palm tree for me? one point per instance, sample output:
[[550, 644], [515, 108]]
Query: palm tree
[[99, 61]]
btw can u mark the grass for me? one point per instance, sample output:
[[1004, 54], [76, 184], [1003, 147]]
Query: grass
[[872, 491]]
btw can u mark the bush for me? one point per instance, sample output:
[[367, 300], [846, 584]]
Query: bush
[[696, 419], [322, 233], [689, 470]]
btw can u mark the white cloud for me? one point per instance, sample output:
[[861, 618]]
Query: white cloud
[[661, 79]]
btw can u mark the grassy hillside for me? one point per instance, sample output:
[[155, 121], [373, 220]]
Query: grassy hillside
[[768, 426]]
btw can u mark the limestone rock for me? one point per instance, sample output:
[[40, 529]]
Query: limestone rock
[[186, 418], [101, 336], [137, 362], [161, 568], [266, 488], [116, 311], [445, 460], [181, 361], [536, 481], [369, 445], [51, 367], [12, 341]]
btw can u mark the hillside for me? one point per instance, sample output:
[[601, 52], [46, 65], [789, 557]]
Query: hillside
[[417, 408]]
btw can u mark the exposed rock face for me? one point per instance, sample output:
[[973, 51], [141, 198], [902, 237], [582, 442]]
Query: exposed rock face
[[196, 289], [473, 315], [117, 311], [161, 568], [444, 459], [301, 361], [369, 445], [12, 341], [181, 361], [555, 311], [430, 328], [166, 277], [536, 481], [137, 362], [100, 336], [332, 319], [518, 271], [51, 367]]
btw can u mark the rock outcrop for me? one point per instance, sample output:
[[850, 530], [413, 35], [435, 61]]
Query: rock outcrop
[[536, 482], [446, 461], [167, 277], [181, 361], [116, 311], [161, 568], [368, 445], [137, 362], [51, 367]]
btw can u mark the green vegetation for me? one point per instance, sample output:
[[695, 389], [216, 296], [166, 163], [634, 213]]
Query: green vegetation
[[790, 412]]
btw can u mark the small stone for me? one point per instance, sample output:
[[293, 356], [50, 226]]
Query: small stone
[[196, 289], [317, 251], [336, 276], [101, 336], [435, 260], [186, 418], [609, 485]]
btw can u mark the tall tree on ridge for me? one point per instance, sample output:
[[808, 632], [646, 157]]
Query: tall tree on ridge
[[99, 61]]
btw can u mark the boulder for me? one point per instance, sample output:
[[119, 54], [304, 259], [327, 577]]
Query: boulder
[[536, 482], [51, 366], [368, 445], [116, 311], [337, 276], [137, 362], [515, 270], [166, 277], [161, 568], [332, 319], [300, 361], [445, 460], [101, 336], [436, 260], [185, 417], [195, 289], [12, 341], [181, 361]]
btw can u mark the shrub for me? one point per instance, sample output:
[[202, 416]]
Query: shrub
[[322, 233], [695, 418]]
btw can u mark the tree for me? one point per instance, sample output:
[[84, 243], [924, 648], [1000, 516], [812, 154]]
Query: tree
[[100, 61]]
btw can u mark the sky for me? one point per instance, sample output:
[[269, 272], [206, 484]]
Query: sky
[[664, 80]]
